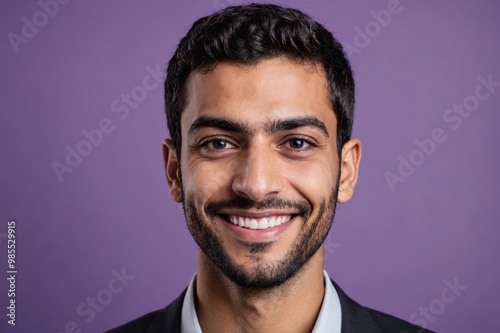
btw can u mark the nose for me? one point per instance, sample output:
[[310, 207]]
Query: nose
[[259, 174]]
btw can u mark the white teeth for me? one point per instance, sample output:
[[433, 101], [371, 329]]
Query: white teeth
[[278, 221], [262, 223], [254, 224]]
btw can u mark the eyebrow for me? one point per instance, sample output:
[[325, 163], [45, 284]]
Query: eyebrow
[[220, 123], [272, 128], [288, 124]]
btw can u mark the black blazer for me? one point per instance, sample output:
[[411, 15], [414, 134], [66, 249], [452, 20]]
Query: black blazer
[[355, 319]]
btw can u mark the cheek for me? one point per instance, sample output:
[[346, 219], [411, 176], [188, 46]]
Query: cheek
[[313, 179], [205, 180]]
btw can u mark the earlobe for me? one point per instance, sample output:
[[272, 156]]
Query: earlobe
[[172, 170], [351, 156]]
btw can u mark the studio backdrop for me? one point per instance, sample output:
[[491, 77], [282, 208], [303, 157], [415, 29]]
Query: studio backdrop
[[84, 202]]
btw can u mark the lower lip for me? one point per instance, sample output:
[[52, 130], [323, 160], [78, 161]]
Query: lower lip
[[257, 235]]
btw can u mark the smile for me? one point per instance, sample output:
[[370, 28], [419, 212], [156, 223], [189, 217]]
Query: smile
[[258, 223]]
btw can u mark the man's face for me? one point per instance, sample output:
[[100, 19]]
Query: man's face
[[259, 166]]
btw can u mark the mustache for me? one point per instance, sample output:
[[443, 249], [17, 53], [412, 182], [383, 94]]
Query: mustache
[[272, 203]]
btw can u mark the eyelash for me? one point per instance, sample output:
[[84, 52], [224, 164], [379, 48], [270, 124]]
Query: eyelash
[[310, 143], [204, 144], [307, 141]]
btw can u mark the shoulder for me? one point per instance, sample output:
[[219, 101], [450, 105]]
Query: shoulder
[[164, 320], [357, 318], [389, 323], [137, 325]]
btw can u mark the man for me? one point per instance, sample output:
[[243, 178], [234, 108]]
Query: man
[[259, 102]]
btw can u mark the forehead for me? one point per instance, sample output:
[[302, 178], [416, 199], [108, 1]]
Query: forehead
[[271, 90]]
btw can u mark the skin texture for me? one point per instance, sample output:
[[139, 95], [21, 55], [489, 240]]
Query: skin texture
[[260, 140]]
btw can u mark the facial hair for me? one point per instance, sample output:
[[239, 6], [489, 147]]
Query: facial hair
[[264, 275]]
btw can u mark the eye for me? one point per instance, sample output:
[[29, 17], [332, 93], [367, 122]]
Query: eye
[[217, 144], [298, 143]]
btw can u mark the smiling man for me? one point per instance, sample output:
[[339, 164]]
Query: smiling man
[[259, 102]]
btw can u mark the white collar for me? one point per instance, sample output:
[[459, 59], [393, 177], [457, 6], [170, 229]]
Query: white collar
[[329, 317], [189, 319]]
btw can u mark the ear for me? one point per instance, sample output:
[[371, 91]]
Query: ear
[[351, 156], [172, 170]]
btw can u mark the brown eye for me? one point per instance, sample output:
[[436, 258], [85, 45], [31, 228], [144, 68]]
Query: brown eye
[[219, 144], [297, 143]]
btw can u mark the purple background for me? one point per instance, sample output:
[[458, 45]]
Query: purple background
[[391, 250]]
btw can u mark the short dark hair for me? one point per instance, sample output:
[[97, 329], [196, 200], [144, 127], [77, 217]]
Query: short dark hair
[[249, 34]]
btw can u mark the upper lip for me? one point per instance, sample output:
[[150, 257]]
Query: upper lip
[[257, 214]]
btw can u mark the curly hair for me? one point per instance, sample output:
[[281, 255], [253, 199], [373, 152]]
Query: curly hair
[[249, 34]]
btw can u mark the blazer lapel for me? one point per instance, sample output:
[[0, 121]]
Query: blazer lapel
[[169, 318], [355, 318]]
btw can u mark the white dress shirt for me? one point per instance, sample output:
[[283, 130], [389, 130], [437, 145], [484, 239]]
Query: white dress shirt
[[329, 318]]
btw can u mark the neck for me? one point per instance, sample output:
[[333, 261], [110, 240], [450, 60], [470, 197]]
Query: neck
[[223, 306]]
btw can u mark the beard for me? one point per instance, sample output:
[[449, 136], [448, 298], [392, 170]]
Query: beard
[[263, 275]]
